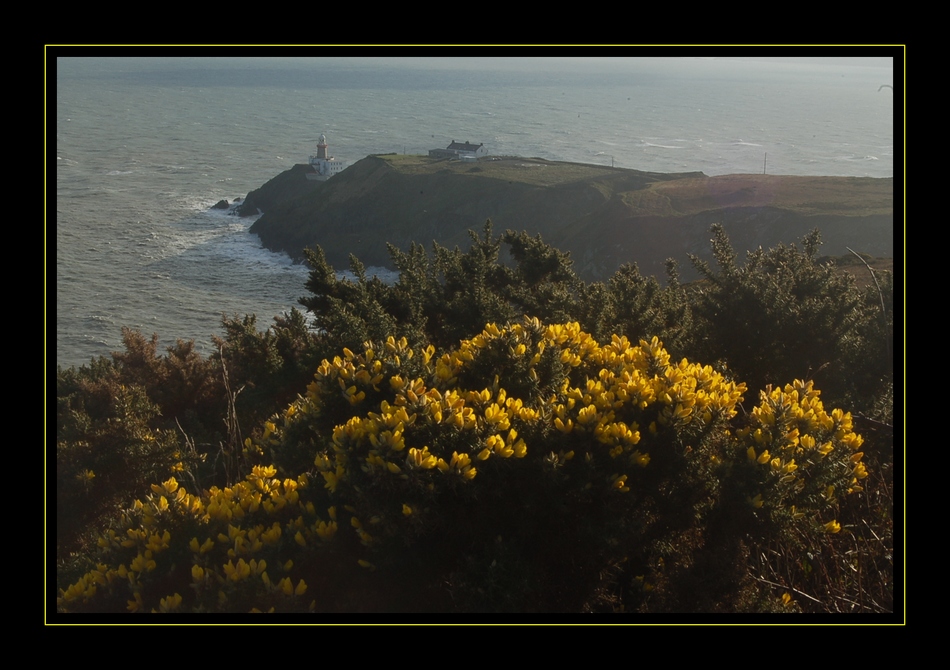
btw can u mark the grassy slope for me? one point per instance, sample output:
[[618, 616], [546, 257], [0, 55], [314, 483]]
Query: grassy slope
[[679, 194]]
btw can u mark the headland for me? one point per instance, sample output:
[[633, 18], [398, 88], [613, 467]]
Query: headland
[[604, 216]]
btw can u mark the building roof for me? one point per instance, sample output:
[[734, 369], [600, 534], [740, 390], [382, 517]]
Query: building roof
[[463, 146]]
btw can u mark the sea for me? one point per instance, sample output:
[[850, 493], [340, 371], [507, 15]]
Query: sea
[[139, 149]]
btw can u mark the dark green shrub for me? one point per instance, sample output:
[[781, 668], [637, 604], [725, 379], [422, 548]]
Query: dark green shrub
[[780, 316]]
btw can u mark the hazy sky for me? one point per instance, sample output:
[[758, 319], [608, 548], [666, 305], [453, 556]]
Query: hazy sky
[[524, 59]]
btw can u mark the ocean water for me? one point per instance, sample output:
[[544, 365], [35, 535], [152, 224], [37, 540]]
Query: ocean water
[[145, 146]]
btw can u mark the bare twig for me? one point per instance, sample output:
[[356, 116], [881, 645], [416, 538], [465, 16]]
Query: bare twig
[[880, 295], [883, 543], [788, 588], [190, 445], [875, 423], [859, 605], [234, 450]]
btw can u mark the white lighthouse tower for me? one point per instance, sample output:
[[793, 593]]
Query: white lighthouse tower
[[324, 165]]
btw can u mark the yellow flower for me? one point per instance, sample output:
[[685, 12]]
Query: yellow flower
[[520, 449], [170, 603], [135, 605], [326, 531], [640, 459], [237, 572], [286, 586], [832, 527], [331, 480], [422, 458]]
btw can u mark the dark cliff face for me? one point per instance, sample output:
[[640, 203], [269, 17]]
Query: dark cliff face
[[275, 194], [604, 217]]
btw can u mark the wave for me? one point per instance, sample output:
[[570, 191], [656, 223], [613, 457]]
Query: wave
[[857, 158], [660, 146]]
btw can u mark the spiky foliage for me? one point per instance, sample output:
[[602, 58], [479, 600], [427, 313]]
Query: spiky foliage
[[782, 315]]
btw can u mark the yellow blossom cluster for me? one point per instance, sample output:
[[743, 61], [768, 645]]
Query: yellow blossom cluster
[[236, 528], [425, 424], [389, 429], [803, 450]]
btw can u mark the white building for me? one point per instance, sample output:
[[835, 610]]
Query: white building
[[323, 165], [465, 151]]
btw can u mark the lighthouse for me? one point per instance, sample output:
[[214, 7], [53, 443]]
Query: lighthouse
[[323, 165], [322, 147]]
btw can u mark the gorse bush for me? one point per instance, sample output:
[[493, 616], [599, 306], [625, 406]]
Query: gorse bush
[[606, 454], [445, 298], [108, 450], [781, 315], [450, 295], [570, 455], [123, 423]]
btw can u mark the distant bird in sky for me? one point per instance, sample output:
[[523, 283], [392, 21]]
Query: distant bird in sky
[[883, 86]]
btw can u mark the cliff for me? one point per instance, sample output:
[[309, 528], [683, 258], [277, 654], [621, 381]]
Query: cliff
[[604, 216]]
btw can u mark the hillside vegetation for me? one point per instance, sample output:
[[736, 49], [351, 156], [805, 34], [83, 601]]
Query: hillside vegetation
[[489, 437]]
